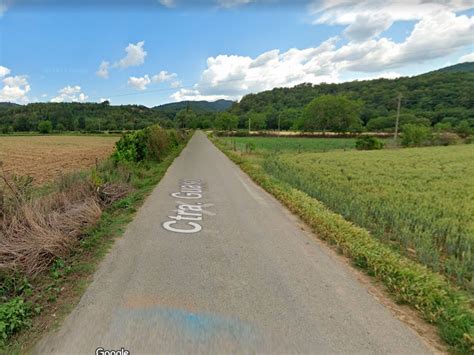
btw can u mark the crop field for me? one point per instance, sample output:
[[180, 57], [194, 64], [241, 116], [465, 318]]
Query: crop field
[[45, 157], [284, 144], [419, 200]]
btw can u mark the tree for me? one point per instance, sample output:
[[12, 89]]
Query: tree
[[332, 113], [92, 124], [415, 136], [463, 128], [258, 121], [45, 127], [226, 121], [60, 127], [185, 117]]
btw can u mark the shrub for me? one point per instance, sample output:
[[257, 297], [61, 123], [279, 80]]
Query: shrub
[[14, 315], [415, 136], [131, 147], [464, 129], [6, 129], [387, 123], [45, 127], [447, 138], [151, 143], [369, 143], [158, 143]]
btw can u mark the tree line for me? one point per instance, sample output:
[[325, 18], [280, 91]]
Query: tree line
[[438, 99]]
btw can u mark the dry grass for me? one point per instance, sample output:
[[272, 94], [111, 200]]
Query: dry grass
[[35, 231], [46, 157]]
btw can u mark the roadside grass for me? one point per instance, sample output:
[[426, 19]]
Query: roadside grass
[[438, 301], [53, 294]]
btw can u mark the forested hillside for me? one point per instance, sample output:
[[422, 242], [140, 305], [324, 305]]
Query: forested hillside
[[434, 96], [105, 117], [170, 110], [78, 116]]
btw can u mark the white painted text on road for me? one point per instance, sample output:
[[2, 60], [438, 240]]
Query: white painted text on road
[[188, 214]]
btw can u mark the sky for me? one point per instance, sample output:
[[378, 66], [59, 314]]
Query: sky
[[151, 52]]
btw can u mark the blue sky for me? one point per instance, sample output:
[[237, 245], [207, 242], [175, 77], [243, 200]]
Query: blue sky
[[219, 49]]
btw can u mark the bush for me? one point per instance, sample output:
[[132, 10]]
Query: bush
[[151, 143], [6, 129], [387, 123], [45, 127], [14, 315], [447, 138], [131, 147], [158, 143], [415, 136], [369, 143], [464, 129]]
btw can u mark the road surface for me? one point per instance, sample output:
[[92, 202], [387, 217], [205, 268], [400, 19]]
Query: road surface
[[213, 264]]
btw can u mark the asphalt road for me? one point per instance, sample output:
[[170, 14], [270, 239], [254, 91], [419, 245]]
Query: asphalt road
[[231, 271]]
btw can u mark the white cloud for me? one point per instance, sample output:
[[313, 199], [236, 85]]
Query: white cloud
[[135, 56], [163, 76], [103, 71], [139, 83], [15, 89], [383, 75], [232, 76], [167, 3], [194, 95], [367, 18], [365, 26], [3, 8], [176, 84], [432, 37], [345, 12], [4, 71], [467, 58], [70, 94], [232, 3], [103, 99]]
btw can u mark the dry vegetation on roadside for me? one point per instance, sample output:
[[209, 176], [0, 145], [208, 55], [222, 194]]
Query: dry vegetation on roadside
[[35, 231], [43, 229]]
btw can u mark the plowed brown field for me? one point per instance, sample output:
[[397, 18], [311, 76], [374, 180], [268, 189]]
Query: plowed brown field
[[45, 157]]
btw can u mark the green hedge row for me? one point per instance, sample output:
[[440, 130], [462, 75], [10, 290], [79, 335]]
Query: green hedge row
[[151, 143]]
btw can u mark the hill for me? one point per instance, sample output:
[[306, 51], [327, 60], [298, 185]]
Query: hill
[[78, 116], [467, 67], [445, 94], [196, 106], [7, 105]]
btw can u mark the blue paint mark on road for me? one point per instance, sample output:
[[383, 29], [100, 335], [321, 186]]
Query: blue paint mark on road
[[185, 326]]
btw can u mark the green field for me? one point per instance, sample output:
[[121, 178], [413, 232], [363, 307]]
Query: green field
[[418, 200], [284, 144]]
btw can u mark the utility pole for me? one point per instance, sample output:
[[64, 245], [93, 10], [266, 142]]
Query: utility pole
[[250, 120], [398, 117]]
